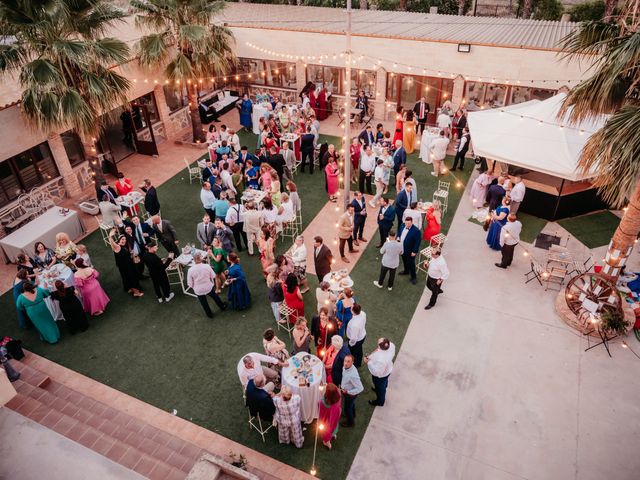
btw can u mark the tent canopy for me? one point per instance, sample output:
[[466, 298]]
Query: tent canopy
[[530, 135]]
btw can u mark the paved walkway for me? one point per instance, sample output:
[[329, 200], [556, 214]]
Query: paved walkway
[[492, 385], [29, 450]]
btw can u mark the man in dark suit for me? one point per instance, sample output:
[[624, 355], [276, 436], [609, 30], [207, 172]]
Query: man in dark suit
[[362, 102], [409, 236], [209, 171], [366, 136], [225, 235], [463, 148], [244, 155], [259, 401], [166, 234], [142, 231], [276, 160], [157, 271], [399, 157], [205, 232], [495, 194], [421, 109], [359, 217], [403, 200], [386, 214], [307, 148], [322, 258], [338, 361], [103, 189], [151, 203]]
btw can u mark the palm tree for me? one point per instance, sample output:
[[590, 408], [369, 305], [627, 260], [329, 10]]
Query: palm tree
[[62, 60], [186, 42], [609, 7], [613, 89]]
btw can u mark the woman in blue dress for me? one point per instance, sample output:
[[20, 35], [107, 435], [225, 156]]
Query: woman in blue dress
[[239, 296], [345, 303], [246, 109], [498, 219]]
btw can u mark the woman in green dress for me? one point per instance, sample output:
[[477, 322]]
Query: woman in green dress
[[218, 259], [32, 302], [238, 181]]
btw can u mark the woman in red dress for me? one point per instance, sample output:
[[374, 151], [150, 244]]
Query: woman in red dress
[[293, 298], [433, 219], [123, 186], [322, 112], [399, 126], [331, 171]]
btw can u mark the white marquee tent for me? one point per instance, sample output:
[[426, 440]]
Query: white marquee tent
[[530, 135]]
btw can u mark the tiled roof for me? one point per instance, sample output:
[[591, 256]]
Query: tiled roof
[[503, 32]]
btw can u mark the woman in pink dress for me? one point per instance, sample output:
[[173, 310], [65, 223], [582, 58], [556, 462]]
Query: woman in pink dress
[[265, 177], [331, 171], [433, 219], [330, 410], [478, 191], [94, 300]]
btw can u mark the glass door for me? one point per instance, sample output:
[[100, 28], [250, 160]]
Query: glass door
[[144, 139], [408, 92]]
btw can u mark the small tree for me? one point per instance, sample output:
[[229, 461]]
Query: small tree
[[548, 10], [186, 42], [587, 12]]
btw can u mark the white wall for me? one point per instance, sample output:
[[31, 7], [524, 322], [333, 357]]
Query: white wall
[[483, 61]]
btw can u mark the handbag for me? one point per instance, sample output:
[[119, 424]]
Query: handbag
[[487, 222]]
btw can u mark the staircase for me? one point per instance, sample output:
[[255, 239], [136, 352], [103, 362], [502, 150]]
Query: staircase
[[153, 453]]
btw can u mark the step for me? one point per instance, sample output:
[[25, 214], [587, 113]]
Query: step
[[113, 434], [31, 375]]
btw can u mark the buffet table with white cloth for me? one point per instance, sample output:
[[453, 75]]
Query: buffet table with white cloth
[[338, 280], [428, 136], [44, 229], [306, 377]]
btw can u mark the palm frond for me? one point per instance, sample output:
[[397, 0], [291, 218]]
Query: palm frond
[[152, 49], [110, 50], [40, 72], [12, 57], [613, 152]]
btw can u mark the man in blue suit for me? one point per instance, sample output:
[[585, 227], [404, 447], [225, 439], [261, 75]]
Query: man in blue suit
[[244, 155], [399, 156], [338, 361], [409, 236], [403, 200], [386, 215], [366, 137]]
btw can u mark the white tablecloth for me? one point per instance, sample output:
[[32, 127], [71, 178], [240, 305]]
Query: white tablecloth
[[44, 229], [428, 136], [252, 195], [130, 200], [310, 394], [336, 285], [58, 272], [258, 111]]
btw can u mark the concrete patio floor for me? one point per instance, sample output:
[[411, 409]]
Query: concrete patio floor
[[491, 384]]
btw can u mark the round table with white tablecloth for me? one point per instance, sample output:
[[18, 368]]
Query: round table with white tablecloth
[[338, 280], [259, 110], [305, 376], [428, 136], [48, 278]]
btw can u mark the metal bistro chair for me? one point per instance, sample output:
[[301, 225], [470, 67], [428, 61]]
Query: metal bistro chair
[[256, 424], [104, 231], [290, 229], [298, 220], [424, 256], [174, 275], [342, 114], [437, 241], [194, 172], [537, 271], [285, 312], [442, 195]]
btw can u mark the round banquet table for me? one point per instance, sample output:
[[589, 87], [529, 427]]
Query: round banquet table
[[48, 279], [310, 393], [428, 136], [338, 285], [258, 111]]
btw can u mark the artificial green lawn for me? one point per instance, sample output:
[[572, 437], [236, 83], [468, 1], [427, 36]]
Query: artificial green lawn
[[173, 357], [594, 229]]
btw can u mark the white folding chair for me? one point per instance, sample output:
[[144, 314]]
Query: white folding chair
[[290, 229], [424, 256], [442, 195], [194, 172], [437, 241], [256, 424], [285, 312], [104, 231]]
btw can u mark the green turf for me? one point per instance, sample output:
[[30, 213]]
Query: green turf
[[594, 229], [174, 357], [531, 226]]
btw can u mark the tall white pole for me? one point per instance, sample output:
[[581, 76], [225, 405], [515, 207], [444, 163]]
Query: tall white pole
[[347, 114]]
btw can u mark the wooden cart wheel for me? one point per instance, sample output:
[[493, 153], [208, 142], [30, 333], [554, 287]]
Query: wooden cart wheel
[[594, 287]]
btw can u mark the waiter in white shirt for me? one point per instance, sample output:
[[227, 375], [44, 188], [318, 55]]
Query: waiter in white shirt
[[356, 333], [437, 273], [516, 194], [509, 238], [438, 151], [380, 364], [367, 166]]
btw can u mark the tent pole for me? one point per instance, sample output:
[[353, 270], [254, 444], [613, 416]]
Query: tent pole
[[555, 212]]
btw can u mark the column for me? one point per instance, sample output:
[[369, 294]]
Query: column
[[381, 94], [59, 154], [458, 92], [301, 76]]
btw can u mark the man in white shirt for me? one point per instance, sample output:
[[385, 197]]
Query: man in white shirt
[[208, 199], [380, 364], [225, 176], [509, 238], [438, 151], [233, 141], [367, 165], [224, 134], [415, 215], [201, 279], [234, 220], [351, 387], [252, 367], [444, 122], [517, 194], [391, 252], [378, 178], [356, 333], [437, 273]]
